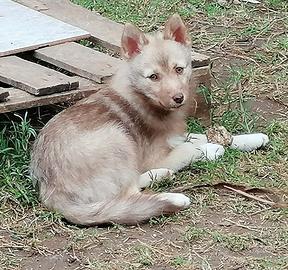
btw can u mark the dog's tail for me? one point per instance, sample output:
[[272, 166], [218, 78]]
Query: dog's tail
[[128, 210]]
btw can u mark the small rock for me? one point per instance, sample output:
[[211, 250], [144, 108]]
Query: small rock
[[219, 135]]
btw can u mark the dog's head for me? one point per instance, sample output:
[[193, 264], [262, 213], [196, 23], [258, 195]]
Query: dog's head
[[160, 64]]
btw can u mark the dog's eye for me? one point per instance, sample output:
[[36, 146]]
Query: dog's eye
[[154, 77], [179, 70]]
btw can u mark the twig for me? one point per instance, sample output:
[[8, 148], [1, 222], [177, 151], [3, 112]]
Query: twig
[[240, 225], [152, 248], [245, 194], [260, 211], [242, 57]]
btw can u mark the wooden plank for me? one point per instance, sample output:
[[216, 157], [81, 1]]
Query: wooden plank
[[199, 60], [80, 60], [23, 29], [19, 99], [200, 106], [34, 78], [3, 94], [102, 30], [201, 76]]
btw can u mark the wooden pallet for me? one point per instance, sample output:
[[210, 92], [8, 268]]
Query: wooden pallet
[[33, 84]]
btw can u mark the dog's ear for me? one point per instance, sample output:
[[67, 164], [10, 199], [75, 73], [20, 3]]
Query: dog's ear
[[176, 30], [132, 41]]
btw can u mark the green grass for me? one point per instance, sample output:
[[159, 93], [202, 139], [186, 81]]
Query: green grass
[[278, 264], [233, 242], [193, 234], [143, 255], [15, 142], [179, 261]]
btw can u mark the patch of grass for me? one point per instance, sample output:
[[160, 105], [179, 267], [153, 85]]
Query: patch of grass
[[194, 233], [9, 261], [205, 92], [137, 12], [279, 263], [233, 242], [213, 9], [163, 219], [237, 117], [277, 4], [279, 215], [97, 265], [283, 43], [194, 126], [238, 120], [143, 255], [15, 140], [179, 261], [155, 11], [256, 29]]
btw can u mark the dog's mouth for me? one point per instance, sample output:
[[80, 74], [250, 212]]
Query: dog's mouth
[[171, 107], [176, 106]]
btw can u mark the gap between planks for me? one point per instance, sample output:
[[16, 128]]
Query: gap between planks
[[3, 94]]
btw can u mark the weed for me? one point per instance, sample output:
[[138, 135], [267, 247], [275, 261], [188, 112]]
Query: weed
[[194, 234], [179, 261], [15, 141], [279, 263], [143, 255], [194, 126], [277, 4], [233, 242]]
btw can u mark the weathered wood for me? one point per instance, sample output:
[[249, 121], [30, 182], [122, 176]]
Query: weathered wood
[[202, 76], [80, 60], [23, 29], [3, 94], [102, 30], [199, 60], [33, 78], [200, 104], [19, 99]]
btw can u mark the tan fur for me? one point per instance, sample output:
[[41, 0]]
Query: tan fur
[[88, 159]]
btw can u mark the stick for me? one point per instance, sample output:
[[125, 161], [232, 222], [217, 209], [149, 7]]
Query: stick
[[245, 194]]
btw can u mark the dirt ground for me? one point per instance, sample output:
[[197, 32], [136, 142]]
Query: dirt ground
[[221, 229]]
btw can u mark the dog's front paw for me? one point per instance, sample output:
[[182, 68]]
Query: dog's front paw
[[249, 142], [154, 175], [212, 151]]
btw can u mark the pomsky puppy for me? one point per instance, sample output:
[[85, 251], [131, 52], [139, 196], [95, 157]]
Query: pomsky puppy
[[92, 160]]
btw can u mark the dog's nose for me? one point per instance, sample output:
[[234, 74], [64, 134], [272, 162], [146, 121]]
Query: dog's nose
[[178, 98]]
